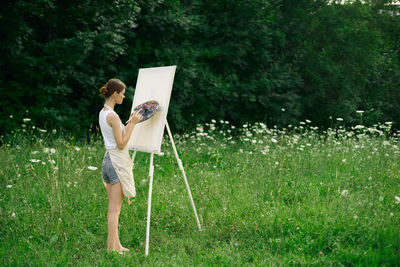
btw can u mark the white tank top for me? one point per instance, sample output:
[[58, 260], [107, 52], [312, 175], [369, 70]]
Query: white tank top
[[106, 129]]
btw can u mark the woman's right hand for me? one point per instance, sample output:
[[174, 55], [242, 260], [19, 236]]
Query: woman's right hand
[[135, 117]]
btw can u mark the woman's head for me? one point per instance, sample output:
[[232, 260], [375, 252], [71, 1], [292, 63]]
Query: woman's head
[[111, 87]]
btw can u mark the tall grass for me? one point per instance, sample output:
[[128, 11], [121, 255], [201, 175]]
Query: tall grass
[[271, 197]]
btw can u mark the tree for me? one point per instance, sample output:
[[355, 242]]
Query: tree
[[55, 56]]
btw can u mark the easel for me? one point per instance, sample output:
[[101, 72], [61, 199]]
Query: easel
[[151, 175]]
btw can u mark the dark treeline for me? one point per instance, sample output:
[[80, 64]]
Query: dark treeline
[[272, 61]]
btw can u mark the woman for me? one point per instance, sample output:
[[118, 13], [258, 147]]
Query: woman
[[117, 165]]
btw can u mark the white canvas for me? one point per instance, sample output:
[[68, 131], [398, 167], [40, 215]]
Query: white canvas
[[152, 84]]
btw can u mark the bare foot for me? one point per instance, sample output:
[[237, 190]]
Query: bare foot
[[123, 249]]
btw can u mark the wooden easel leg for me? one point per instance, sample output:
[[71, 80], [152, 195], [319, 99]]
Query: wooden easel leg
[[183, 173], [151, 174]]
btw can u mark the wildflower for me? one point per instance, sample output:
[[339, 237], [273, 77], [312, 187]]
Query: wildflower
[[11, 116], [9, 186], [339, 119], [360, 111], [254, 141], [54, 131], [386, 143], [388, 123], [34, 152], [345, 192], [42, 130], [52, 150], [283, 110], [308, 121], [302, 123], [274, 140], [92, 168], [359, 127], [13, 214], [35, 160], [213, 121], [26, 119], [344, 160], [77, 148], [52, 161], [397, 199]]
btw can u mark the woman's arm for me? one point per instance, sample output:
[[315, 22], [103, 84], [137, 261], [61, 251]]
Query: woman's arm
[[122, 138]]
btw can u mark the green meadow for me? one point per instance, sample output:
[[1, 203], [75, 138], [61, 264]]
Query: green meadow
[[298, 196]]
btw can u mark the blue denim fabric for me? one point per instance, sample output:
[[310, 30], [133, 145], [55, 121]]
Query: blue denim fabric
[[109, 174]]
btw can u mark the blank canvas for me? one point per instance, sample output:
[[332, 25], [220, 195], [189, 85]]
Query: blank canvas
[[152, 84]]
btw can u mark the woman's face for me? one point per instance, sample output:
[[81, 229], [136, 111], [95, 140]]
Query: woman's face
[[119, 97]]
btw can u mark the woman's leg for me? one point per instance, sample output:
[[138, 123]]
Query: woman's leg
[[115, 198]]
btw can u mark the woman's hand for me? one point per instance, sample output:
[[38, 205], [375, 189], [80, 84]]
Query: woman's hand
[[135, 117]]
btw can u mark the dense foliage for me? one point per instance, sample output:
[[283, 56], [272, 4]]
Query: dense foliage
[[272, 61]]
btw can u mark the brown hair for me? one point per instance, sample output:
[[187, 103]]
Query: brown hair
[[113, 85]]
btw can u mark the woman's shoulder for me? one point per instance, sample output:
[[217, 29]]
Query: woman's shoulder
[[112, 116]]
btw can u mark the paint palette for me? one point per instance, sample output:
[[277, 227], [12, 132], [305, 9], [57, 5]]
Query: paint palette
[[148, 109]]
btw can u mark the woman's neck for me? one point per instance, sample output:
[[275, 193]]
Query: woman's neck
[[110, 104]]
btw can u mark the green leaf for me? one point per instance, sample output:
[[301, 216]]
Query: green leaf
[[53, 239]]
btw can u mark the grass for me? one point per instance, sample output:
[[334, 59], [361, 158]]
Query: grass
[[267, 197]]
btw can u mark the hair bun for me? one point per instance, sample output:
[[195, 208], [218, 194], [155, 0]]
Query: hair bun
[[103, 91]]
